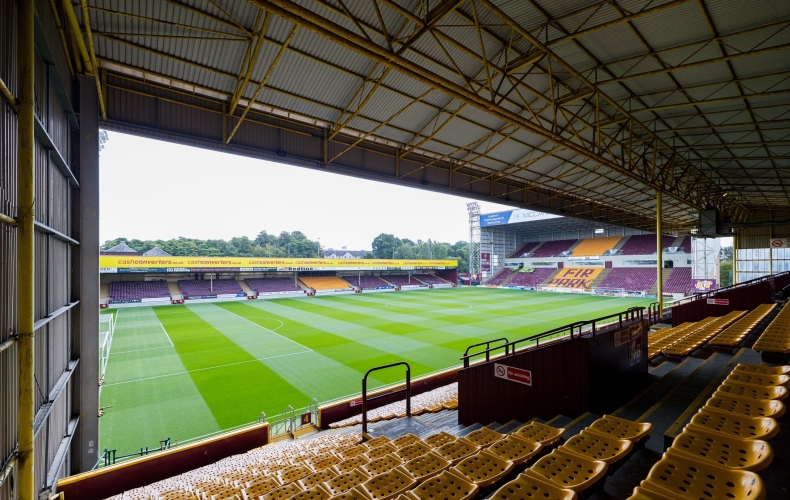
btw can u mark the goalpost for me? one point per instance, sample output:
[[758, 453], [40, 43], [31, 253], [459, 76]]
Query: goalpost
[[106, 329]]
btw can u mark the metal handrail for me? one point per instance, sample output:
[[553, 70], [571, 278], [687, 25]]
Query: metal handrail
[[365, 392], [578, 328], [709, 294], [488, 347]]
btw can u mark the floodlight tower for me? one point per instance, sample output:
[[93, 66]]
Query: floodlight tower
[[474, 238]]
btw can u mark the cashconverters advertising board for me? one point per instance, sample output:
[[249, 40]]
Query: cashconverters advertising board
[[139, 264]]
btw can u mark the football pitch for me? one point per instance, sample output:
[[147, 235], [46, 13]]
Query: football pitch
[[187, 371]]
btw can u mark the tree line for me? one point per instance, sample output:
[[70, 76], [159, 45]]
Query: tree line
[[297, 245]]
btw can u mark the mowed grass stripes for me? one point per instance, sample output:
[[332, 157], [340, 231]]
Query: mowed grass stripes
[[189, 370]]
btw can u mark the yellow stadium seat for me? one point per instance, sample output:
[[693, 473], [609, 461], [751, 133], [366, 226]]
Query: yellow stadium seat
[[376, 442], [456, 451], [763, 370], [752, 391], [317, 478], [413, 450], [317, 493], [388, 485], [595, 246], [619, 428], [539, 433], [514, 449], [444, 486], [261, 486], [680, 478], [568, 470], [734, 425], [351, 464], [382, 464], [757, 379], [324, 462], [344, 482], [352, 494], [294, 473], [482, 469], [645, 494], [595, 446], [381, 451], [439, 439], [529, 488], [746, 406], [426, 466], [283, 492], [353, 451], [406, 440], [728, 452], [483, 437]]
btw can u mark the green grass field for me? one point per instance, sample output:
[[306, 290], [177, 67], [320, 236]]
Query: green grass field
[[192, 370]]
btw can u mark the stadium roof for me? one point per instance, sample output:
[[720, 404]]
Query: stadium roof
[[578, 107], [525, 222]]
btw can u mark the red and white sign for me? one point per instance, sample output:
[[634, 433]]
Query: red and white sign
[[719, 302], [780, 243], [622, 337], [356, 402], [513, 374]]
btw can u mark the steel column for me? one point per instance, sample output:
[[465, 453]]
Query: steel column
[[659, 257], [86, 444], [26, 252]]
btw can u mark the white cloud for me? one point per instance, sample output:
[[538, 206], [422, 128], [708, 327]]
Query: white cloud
[[157, 190]]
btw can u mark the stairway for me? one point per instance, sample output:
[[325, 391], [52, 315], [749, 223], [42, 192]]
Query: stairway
[[175, 290], [620, 243], [245, 287], [665, 275], [597, 281]]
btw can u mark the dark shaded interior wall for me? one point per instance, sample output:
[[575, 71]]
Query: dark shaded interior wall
[[740, 299]]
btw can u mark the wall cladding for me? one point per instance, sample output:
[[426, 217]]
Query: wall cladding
[[54, 333]]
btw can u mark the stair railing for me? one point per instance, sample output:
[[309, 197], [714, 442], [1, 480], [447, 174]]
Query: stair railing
[[365, 398]]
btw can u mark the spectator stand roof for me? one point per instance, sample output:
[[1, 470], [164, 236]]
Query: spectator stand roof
[[585, 108]]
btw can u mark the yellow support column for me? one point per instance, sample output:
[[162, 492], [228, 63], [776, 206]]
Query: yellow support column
[[25, 252], [735, 258], [770, 250], [659, 258]]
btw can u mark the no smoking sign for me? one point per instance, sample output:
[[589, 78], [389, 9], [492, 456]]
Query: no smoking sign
[[513, 374]]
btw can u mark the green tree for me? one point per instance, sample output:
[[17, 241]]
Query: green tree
[[368, 255], [725, 253], [725, 273], [384, 246]]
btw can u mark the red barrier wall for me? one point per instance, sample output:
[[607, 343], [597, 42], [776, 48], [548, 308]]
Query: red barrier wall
[[115, 479], [741, 299], [559, 386]]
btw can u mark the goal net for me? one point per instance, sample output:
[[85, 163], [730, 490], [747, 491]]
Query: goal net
[[106, 329]]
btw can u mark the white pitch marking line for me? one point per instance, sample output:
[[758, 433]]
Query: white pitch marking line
[[146, 349], [273, 319], [272, 331], [392, 305], [207, 368], [166, 335]]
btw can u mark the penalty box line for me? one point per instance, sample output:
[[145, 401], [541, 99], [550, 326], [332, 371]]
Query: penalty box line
[[307, 349], [204, 369]]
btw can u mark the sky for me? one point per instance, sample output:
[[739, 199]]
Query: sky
[[157, 190]]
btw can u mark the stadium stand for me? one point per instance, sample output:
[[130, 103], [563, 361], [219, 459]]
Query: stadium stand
[[644, 244], [738, 331], [635, 279], [272, 285], [685, 245], [428, 402], [431, 279], [133, 290], [701, 336], [524, 249], [501, 276], [595, 246], [553, 248], [776, 337], [325, 282], [402, 279], [192, 288], [666, 337], [575, 277], [535, 278], [366, 281], [725, 444], [679, 281]]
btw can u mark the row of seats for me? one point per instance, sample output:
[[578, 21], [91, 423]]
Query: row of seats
[[736, 333], [325, 282], [595, 246], [666, 337], [501, 276], [776, 337], [442, 398], [578, 464], [431, 279], [132, 290], [701, 336], [725, 444]]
